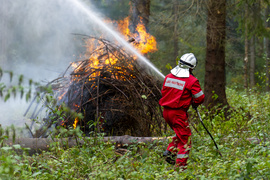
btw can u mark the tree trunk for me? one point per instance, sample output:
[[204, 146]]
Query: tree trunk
[[215, 54], [246, 53], [175, 31], [252, 62], [140, 12], [267, 50]]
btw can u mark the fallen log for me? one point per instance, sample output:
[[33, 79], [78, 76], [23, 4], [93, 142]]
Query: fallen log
[[37, 145]]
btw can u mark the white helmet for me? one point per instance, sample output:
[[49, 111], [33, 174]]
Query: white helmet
[[186, 62]]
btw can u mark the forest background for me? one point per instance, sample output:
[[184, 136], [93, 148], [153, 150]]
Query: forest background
[[180, 27], [184, 24]]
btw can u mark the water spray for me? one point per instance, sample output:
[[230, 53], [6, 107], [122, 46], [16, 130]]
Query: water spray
[[116, 35]]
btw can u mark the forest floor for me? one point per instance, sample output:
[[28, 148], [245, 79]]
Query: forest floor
[[96, 159]]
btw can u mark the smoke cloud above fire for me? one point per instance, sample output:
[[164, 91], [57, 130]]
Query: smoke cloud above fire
[[37, 40], [36, 36]]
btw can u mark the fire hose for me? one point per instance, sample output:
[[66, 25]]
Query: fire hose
[[208, 131]]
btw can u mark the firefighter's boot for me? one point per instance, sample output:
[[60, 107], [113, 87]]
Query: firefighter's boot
[[169, 157]]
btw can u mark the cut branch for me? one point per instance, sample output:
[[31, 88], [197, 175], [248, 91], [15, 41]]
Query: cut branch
[[110, 89]]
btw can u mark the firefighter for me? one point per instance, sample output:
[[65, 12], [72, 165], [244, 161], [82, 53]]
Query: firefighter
[[180, 90]]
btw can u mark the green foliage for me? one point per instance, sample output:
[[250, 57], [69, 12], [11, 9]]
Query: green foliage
[[254, 22], [237, 134], [115, 9], [1, 73], [191, 29], [244, 17], [168, 66], [242, 137], [16, 87], [10, 75]]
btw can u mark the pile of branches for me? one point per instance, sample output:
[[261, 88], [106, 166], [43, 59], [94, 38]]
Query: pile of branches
[[114, 97]]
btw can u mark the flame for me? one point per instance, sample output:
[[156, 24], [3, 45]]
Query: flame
[[98, 57], [123, 27], [147, 42], [60, 97], [75, 122], [144, 43]]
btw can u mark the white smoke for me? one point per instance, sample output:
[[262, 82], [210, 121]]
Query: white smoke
[[39, 34], [37, 40]]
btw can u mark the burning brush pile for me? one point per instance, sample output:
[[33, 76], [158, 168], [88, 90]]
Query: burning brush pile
[[110, 89]]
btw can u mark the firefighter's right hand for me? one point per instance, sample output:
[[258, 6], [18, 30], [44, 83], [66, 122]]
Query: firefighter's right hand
[[194, 106]]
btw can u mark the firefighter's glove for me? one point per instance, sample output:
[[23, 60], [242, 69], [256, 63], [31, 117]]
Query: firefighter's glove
[[194, 106]]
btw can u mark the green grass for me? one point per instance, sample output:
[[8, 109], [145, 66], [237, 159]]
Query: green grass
[[242, 159]]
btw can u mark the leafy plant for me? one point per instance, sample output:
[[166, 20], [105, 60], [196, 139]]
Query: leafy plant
[[242, 137]]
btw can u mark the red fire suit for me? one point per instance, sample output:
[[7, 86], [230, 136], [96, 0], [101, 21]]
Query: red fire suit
[[178, 94]]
